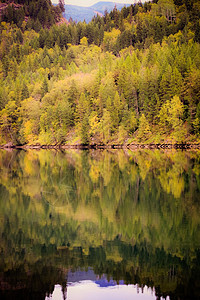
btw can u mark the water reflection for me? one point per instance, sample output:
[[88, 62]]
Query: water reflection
[[131, 216], [85, 290], [85, 284]]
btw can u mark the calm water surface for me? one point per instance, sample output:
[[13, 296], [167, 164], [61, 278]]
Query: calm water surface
[[99, 225]]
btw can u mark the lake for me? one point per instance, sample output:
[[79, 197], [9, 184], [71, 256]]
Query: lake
[[99, 224]]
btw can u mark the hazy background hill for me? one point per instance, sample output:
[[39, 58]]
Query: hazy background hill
[[102, 6], [80, 13]]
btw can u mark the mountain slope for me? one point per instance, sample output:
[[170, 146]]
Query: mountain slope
[[80, 13], [102, 6], [36, 13]]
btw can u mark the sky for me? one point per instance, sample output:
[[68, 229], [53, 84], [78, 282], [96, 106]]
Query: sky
[[91, 2]]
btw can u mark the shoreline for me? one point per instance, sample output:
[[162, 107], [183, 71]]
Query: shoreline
[[182, 146]]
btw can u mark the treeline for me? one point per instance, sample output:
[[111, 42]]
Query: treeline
[[130, 76]]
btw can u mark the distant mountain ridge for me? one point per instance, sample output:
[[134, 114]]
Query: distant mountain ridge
[[81, 13], [102, 6]]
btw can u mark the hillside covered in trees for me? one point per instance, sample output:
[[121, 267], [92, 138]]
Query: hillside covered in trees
[[130, 76], [31, 14]]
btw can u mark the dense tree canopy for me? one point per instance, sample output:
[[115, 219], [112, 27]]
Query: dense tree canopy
[[130, 76], [35, 13]]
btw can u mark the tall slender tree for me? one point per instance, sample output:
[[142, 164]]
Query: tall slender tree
[[62, 5]]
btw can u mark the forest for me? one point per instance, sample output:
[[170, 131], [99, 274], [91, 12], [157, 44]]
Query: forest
[[131, 76]]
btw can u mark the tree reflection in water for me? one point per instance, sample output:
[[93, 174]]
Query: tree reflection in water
[[134, 216]]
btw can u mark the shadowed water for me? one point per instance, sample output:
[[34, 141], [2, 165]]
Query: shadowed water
[[99, 224]]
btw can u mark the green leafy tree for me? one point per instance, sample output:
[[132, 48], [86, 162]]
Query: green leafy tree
[[44, 88], [144, 130], [106, 126], [9, 122], [24, 92]]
